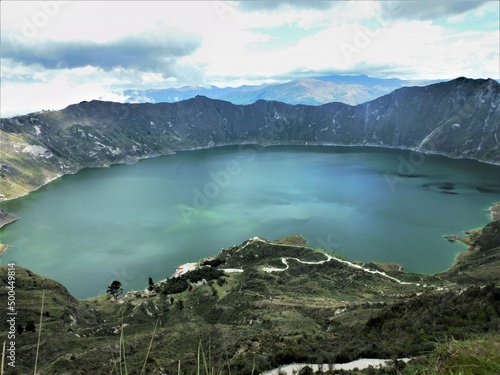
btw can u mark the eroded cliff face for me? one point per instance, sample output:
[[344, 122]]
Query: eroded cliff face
[[459, 118]]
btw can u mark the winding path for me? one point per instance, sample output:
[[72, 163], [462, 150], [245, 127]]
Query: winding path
[[329, 258]]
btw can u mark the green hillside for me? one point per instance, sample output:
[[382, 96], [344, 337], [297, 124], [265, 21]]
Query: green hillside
[[263, 304]]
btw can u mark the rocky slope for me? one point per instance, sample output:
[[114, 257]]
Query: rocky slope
[[459, 118], [263, 304]]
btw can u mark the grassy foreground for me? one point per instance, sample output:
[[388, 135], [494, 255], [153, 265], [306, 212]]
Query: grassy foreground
[[290, 304]]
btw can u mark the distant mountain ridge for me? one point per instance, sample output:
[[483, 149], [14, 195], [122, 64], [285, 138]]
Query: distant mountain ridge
[[459, 119], [351, 90]]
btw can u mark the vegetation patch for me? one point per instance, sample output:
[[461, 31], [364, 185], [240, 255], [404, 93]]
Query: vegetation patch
[[253, 321], [179, 284]]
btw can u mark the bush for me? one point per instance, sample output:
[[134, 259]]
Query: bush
[[213, 262], [180, 284], [490, 237], [306, 371], [175, 285], [206, 273]]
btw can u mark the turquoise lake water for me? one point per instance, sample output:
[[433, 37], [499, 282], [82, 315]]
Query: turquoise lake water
[[130, 222]]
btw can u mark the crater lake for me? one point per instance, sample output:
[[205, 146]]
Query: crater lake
[[131, 222]]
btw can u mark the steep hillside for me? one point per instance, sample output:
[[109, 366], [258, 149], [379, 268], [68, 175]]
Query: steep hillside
[[459, 118], [481, 263], [251, 308]]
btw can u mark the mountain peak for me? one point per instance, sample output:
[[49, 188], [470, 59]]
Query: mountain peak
[[318, 90], [435, 119]]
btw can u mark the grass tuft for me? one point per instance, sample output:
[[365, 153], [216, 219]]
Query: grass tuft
[[475, 356], [39, 332], [122, 345], [3, 357], [149, 349]]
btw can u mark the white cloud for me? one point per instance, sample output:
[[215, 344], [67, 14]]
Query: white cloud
[[229, 43], [58, 89], [431, 9]]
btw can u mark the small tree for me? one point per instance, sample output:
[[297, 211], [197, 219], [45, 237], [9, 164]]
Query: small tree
[[115, 289], [30, 327]]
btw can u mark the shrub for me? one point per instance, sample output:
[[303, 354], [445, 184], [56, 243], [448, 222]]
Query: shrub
[[175, 285], [180, 284], [206, 273]]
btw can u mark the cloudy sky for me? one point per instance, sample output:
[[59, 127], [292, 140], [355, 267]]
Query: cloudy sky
[[54, 53]]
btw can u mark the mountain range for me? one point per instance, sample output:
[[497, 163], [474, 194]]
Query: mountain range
[[264, 303], [459, 118], [350, 90]]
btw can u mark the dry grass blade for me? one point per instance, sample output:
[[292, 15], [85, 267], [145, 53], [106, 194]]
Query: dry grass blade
[[114, 359], [122, 344], [3, 357], [149, 349], [39, 332], [198, 361]]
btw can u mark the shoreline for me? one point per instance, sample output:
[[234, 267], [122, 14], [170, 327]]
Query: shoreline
[[495, 211], [134, 159], [189, 266], [3, 248], [7, 218]]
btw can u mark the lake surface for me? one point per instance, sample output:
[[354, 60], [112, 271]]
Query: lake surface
[[130, 222]]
